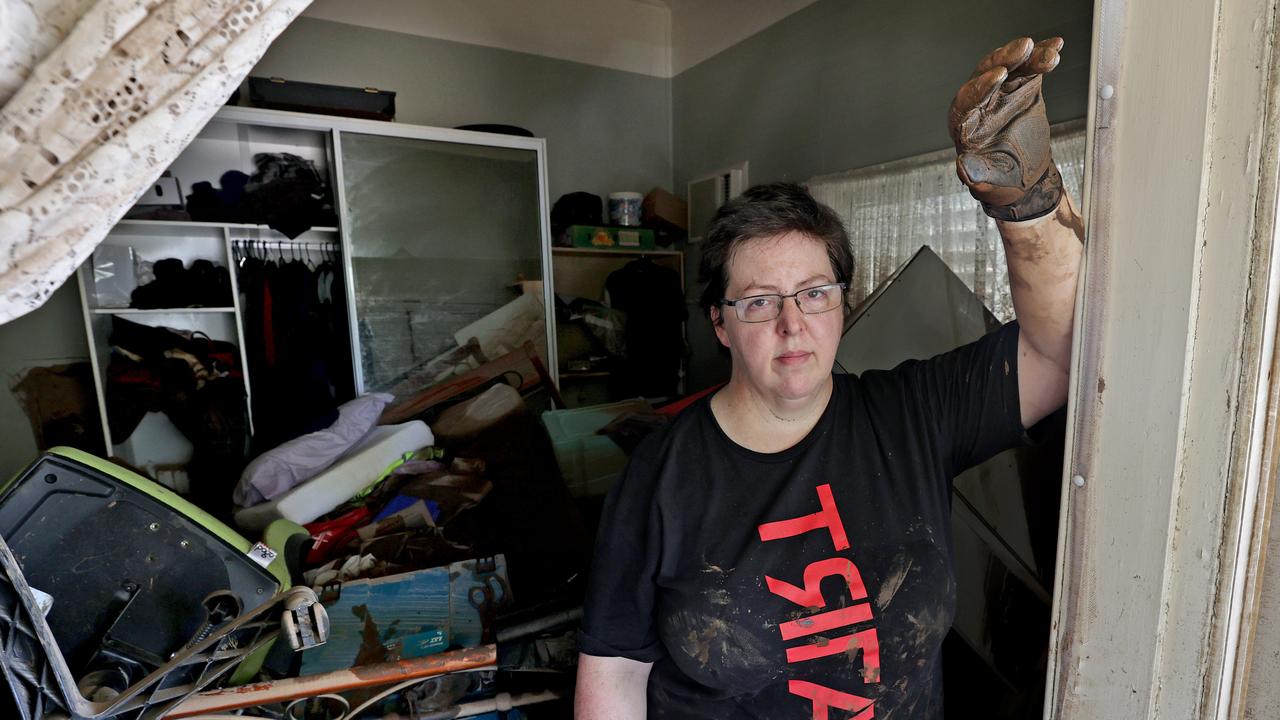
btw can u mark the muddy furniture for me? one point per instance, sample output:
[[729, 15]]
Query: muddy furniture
[[118, 598]]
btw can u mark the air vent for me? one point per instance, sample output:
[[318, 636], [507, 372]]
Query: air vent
[[709, 192]]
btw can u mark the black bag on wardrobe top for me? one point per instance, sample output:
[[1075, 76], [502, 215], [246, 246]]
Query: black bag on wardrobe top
[[280, 94]]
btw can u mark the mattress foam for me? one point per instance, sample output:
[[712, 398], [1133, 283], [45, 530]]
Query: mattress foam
[[357, 469]]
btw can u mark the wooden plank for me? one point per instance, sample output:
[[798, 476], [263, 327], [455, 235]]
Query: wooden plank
[[368, 676]]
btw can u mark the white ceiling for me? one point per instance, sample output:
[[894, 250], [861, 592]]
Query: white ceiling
[[654, 37], [703, 28]]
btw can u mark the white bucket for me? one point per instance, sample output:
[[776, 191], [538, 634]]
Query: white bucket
[[624, 208]]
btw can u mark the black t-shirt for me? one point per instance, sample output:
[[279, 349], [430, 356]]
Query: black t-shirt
[[773, 585]]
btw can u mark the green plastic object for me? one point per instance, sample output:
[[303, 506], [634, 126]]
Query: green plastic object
[[278, 533], [69, 502], [609, 237], [589, 463], [173, 500]]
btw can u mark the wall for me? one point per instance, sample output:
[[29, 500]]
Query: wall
[[653, 37], [631, 35], [52, 335], [841, 85], [606, 130]]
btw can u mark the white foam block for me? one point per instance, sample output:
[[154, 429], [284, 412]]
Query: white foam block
[[363, 464]]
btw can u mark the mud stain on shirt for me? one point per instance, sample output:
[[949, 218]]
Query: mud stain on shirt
[[719, 647], [889, 588]]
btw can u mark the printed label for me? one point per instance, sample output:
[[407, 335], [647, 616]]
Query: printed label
[[262, 554]]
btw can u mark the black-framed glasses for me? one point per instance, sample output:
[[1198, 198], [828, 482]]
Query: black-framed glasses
[[811, 301]]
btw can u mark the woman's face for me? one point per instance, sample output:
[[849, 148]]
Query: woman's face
[[789, 358]]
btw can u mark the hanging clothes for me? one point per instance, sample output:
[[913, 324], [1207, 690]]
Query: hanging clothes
[[332, 309], [653, 301], [296, 345]]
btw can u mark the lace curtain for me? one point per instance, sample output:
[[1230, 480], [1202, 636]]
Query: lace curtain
[[891, 210], [97, 97]]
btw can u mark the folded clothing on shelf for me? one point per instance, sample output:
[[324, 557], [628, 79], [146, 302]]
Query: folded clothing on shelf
[[286, 192], [204, 284], [199, 384]]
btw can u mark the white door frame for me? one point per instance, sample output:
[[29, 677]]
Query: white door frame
[[1170, 455]]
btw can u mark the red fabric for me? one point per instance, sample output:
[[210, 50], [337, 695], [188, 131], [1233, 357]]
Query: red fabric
[[127, 372], [674, 408], [330, 535]]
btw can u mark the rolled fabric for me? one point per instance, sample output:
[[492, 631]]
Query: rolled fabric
[[297, 461]]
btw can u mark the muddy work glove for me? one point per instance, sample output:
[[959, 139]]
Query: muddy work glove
[[1001, 132]]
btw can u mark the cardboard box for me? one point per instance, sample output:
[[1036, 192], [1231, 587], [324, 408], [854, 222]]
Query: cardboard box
[[412, 614], [603, 237], [662, 209]]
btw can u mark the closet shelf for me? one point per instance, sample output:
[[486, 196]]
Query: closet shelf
[[194, 224], [161, 311]]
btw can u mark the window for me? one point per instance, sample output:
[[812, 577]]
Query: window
[[891, 210]]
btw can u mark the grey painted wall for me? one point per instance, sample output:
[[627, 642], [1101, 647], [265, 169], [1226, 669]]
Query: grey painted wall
[[606, 130], [844, 84], [52, 335]]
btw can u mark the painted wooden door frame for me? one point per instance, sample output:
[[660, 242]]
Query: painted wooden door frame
[[1171, 455]]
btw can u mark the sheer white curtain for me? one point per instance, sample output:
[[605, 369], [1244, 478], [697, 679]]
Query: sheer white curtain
[[97, 97], [891, 210]]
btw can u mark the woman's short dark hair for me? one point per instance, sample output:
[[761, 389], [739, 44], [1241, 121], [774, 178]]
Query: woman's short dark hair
[[768, 211]]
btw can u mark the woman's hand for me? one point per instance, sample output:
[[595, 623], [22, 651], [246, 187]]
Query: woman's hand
[[1001, 131]]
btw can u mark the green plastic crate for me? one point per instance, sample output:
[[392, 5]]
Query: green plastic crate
[[589, 462]]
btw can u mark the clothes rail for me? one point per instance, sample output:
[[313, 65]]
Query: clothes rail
[[286, 244]]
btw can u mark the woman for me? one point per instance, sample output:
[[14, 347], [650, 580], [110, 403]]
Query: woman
[[783, 548]]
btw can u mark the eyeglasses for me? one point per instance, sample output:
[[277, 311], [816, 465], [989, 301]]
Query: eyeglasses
[[811, 301]]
